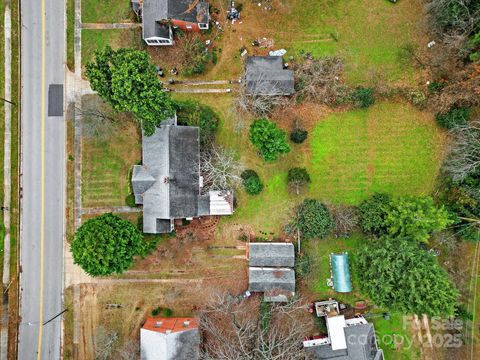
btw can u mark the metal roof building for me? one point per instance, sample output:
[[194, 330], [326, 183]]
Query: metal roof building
[[271, 254], [263, 279]]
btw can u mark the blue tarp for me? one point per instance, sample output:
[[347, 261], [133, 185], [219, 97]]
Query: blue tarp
[[341, 273]]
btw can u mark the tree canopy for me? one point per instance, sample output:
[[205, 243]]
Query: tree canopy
[[106, 244], [298, 178], [313, 219], [373, 212], [416, 217], [193, 113], [268, 139], [128, 82], [396, 273]]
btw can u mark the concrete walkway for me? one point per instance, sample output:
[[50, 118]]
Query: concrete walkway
[[102, 26], [6, 180]]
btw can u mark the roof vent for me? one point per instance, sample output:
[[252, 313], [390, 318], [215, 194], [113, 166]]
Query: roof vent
[[158, 324], [168, 331], [186, 323]]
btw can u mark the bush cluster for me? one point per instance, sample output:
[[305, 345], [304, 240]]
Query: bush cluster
[[193, 113], [298, 135], [251, 182], [363, 97], [453, 118]]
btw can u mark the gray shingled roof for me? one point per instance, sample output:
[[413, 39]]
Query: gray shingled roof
[[183, 10], [184, 171], [167, 183], [265, 279], [271, 254], [265, 76], [155, 13], [361, 345]]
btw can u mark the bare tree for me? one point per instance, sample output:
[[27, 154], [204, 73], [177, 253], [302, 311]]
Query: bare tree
[[454, 21], [465, 156], [231, 330], [345, 218], [98, 119], [130, 350], [104, 343], [320, 80], [258, 105], [220, 169]]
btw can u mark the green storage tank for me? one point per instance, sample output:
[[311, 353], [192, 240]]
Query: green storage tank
[[341, 273]]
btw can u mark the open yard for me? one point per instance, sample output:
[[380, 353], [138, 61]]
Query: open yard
[[93, 40], [390, 147], [107, 11], [367, 34], [107, 163]]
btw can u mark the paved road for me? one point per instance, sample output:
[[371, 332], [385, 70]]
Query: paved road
[[43, 178]]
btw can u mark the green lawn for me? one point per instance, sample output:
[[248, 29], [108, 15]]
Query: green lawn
[[106, 165], [97, 39], [366, 33], [394, 337], [107, 11], [70, 4], [389, 148]]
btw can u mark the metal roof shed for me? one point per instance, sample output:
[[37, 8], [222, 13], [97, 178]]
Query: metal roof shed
[[340, 273]]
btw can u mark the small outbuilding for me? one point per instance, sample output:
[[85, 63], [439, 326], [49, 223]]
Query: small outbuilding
[[340, 272], [265, 75], [271, 270], [271, 254]]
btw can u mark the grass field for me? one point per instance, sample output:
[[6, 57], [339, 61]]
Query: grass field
[[70, 4], [97, 39], [107, 11], [367, 34], [390, 147], [107, 164]]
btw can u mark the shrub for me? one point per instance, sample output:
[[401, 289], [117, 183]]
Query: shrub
[[130, 200], [298, 135], [268, 139], [436, 86], [192, 113], [156, 311], [303, 265], [363, 97], [399, 275], [197, 56], [373, 212], [312, 219], [252, 183], [298, 178], [106, 244], [453, 118], [167, 312], [416, 97]]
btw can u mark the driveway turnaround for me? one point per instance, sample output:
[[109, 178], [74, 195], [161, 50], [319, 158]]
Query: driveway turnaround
[[43, 178]]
